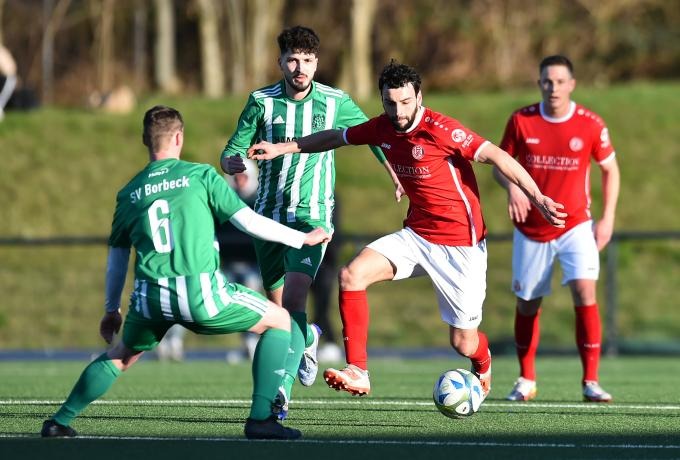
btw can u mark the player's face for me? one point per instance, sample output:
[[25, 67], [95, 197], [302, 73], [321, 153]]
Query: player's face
[[298, 71], [401, 105], [556, 85]]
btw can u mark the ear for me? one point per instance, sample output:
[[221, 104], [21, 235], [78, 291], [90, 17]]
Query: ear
[[419, 98]]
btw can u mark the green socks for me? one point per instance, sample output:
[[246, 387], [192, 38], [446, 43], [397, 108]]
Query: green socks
[[95, 380], [270, 354], [299, 332]]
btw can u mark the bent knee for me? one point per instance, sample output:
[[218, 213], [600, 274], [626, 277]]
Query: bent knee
[[279, 318]]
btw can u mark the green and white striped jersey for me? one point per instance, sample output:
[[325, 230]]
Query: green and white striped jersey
[[295, 188], [168, 212]]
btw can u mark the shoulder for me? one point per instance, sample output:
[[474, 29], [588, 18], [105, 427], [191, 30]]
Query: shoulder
[[439, 123], [528, 111], [273, 90], [589, 116], [329, 91]]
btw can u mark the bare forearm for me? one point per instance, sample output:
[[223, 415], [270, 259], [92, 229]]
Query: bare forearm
[[611, 180]]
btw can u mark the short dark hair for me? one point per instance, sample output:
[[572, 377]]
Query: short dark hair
[[299, 39], [159, 123], [395, 75], [556, 59]]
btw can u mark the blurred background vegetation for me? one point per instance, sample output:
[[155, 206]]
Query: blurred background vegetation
[[93, 68]]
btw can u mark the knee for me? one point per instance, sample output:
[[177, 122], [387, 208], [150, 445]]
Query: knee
[[350, 280], [279, 318], [464, 344]]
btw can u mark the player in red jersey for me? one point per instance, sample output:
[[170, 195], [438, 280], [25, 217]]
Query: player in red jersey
[[444, 232], [555, 141]]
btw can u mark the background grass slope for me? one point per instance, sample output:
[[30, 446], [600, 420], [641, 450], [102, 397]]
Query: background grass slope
[[62, 168]]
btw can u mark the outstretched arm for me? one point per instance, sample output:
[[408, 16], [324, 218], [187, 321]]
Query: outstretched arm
[[317, 142], [517, 175], [248, 221]]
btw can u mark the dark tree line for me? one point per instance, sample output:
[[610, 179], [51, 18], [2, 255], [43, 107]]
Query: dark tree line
[[66, 49]]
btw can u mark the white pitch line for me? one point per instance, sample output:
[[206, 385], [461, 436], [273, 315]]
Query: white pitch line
[[354, 402], [524, 445]]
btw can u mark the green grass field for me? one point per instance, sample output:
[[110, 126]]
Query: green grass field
[[196, 409]]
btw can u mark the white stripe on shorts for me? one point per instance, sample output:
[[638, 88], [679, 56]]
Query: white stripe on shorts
[[182, 300], [251, 302], [207, 293], [165, 299]]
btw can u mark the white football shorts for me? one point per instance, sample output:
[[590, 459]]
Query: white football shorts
[[458, 273], [532, 261]]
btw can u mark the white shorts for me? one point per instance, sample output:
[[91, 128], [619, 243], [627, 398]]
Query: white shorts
[[532, 261], [458, 273]]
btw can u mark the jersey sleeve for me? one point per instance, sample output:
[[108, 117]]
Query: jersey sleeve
[[120, 235], [222, 199], [349, 114], [508, 142], [363, 134], [246, 130], [460, 140], [603, 150]]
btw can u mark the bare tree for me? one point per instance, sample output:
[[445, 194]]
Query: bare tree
[[362, 20], [139, 44], [52, 18], [237, 45], [165, 68], [211, 57], [265, 22], [102, 13]]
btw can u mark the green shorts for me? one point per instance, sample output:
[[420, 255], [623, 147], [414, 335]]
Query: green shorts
[[275, 259], [244, 311]]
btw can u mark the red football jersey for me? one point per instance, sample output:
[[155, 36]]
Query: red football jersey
[[432, 161], [557, 153]]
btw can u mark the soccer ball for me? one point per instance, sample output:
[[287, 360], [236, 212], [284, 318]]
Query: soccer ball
[[457, 393]]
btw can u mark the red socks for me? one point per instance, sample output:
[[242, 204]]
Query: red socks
[[527, 336], [588, 338], [480, 359], [354, 315]]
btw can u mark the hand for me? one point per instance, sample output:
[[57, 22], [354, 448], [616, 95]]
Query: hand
[[110, 325], [550, 211], [398, 191], [317, 236], [519, 204], [233, 164], [264, 151], [603, 233]]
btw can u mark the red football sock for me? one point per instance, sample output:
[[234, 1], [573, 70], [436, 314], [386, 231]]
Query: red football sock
[[527, 336], [354, 315], [481, 361], [588, 338]]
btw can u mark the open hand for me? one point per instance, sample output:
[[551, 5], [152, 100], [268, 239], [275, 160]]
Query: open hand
[[264, 151], [551, 211], [317, 236]]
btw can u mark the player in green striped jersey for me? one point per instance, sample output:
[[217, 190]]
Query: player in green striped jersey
[[299, 191], [169, 212]]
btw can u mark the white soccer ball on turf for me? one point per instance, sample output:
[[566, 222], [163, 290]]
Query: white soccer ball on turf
[[458, 393]]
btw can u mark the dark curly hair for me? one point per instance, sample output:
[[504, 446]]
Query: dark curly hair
[[299, 39], [395, 75]]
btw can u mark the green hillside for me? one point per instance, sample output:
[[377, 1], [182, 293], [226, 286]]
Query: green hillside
[[61, 169]]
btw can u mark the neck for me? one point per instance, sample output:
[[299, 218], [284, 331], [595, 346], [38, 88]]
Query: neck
[[163, 155], [557, 112], [295, 94]]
